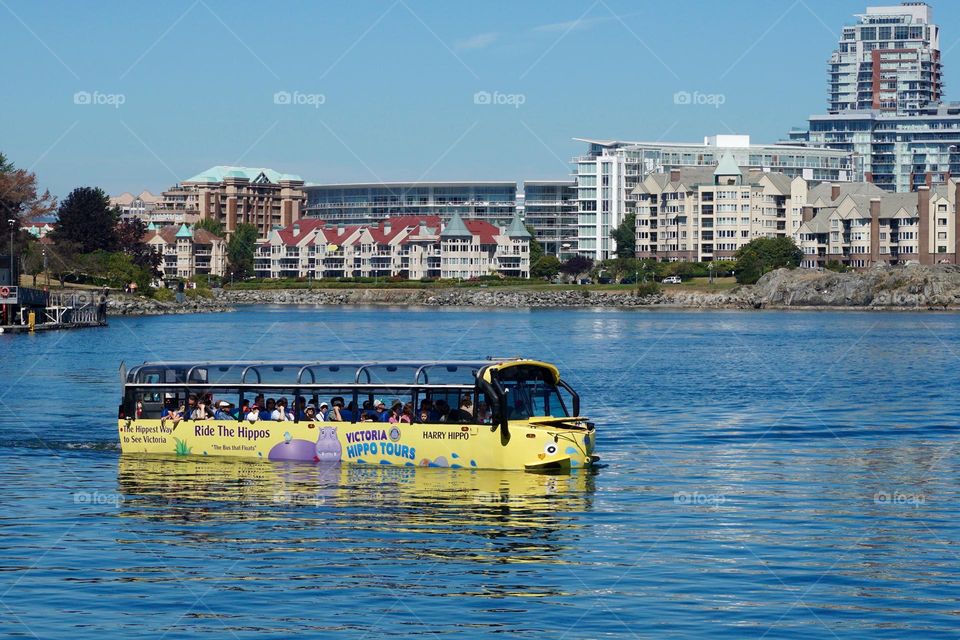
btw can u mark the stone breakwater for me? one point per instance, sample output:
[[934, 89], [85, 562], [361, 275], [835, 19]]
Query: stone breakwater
[[890, 288], [127, 305], [492, 297]]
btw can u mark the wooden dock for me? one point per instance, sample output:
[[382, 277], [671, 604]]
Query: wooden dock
[[43, 311]]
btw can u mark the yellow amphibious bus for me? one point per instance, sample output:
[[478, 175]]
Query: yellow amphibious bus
[[487, 414]]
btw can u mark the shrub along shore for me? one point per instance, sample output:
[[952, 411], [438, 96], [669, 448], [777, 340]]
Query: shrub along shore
[[882, 288]]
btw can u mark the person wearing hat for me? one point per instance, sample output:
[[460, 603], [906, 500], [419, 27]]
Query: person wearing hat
[[222, 410], [170, 410], [310, 414], [322, 411], [381, 410]]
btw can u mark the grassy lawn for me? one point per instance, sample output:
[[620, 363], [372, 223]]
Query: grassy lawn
[[703, 284]]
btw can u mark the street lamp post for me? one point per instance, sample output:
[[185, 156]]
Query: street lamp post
[[13, 225]]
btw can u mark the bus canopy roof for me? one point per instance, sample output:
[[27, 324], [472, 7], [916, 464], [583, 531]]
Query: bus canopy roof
[[290, 374]]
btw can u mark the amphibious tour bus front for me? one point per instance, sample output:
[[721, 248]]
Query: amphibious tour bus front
[[531, 401]]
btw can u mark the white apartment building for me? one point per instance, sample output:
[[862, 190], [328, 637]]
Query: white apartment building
[[409, 247], [889, 61]]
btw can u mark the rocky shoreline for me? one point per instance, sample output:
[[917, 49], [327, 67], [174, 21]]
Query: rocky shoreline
[[912, 287], [129, 305]]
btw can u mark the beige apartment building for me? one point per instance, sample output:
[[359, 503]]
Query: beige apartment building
[[410, 247], [861, 225], [187, 252], [704, 213], [264, 198], [700, 214]]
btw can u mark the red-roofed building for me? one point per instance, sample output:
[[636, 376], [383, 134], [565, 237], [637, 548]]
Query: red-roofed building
[[412, 247]]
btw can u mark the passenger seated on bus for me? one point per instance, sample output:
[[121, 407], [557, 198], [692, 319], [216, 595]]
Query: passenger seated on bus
[[336, 410], [323, 411], [432, 415], [300, 407], [242, 411], [369, 416], [170, 410], [260, 401], [424, 417], [266, 411], [194, 411], [382, 414], [310, 414], [203, 410], [484, 415], [464, 413], [253, 415], [223, 411], [406, 416], [280, 412], [396, 411], [442, 410]]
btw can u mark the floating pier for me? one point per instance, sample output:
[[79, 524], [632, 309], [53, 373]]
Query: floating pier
[[27, 310]]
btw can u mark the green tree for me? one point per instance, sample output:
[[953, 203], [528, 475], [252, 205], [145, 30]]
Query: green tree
[[546, 267], [86, 219], [240, 250], [576, 265], [618, 268], [685, 270], [212, 225], [115, 269], [762, 255], [723, 267], [62, 259], [836, 265], [536, 250], [625, 236], [130, 234]]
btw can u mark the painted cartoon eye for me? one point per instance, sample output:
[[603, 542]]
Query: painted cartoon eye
[[551, 448]]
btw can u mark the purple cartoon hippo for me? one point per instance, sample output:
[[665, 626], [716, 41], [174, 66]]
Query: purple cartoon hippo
[[326, 449]]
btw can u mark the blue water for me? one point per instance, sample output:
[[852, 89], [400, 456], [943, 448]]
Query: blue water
[[778, 475]]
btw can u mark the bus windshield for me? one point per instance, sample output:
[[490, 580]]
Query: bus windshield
[[529, 391]]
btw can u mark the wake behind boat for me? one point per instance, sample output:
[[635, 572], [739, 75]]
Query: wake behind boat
[[490, 414]]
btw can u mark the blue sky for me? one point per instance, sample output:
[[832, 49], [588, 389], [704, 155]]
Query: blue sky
[[133, 95]]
